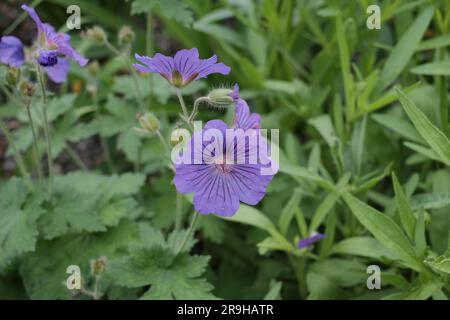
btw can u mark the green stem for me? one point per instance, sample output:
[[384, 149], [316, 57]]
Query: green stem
[[149, 41], [103, 143], [46, 131], [195, 108], [188, 233], [183, 107], [37, 154], [17, 155], [163, 142], [72, 154], [179, 212]]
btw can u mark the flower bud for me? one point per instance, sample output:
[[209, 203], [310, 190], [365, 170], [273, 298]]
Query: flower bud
[[96, 35], [149, 122], [98, 266], [126, 35], [27, 88], [12, 76], [93, 68], [220, 97]]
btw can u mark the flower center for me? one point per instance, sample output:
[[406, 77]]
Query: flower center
[[47, 58], [221, 164]]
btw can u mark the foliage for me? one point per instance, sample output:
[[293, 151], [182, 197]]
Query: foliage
[[364, 156]]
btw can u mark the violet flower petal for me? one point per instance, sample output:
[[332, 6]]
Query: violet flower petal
[[11, 51]]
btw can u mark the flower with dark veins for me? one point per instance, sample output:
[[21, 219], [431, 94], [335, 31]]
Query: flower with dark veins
[[54, 49], [183, 68], [223, 177]]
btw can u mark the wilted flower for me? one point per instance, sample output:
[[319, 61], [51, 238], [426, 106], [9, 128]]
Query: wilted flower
[[11, 51], [182, 69], [306, 242], [220, 98], [27, 88], [98, 266], [218, 182], [53, 49], [12, 76]]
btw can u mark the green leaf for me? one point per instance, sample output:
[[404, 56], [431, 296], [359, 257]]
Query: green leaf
[[170, 276], [435, 138], [328, 203], [363, 247], [437, 68], [44, 271], [171, 9], [406, 214], [288, 211], [274, 291], [440, 263], [435, 43], [385, 230], [422, 292], [427, 201], [398, 125], [325, 127], [404, 49], [18, 227]]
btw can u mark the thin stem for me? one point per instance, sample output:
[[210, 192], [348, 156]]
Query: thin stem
[[188, 233], [195, 108], [103, 143], [183, 108], [96, 295], [73, 155], [163, 142], [37, 154], [17, 155], [179, 211], [46, 131], [149, 42]]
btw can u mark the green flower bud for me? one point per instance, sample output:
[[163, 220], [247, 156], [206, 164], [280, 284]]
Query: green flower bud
[[98, 266], [93, 68], [96, 35], [220, 97], [27, 88], [12, 76], [126, 35], [149, 122]]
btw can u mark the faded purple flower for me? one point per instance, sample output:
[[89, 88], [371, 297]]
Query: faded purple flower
[[219, 180], [182, 69], [244, 118], [306, 242], [54, 49], [11, 51]]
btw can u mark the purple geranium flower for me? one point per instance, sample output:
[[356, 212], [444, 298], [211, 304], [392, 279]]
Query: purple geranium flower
[[53, 49], [244, 118], [306, 242], [221, 179], [11, 51], [182, 69]]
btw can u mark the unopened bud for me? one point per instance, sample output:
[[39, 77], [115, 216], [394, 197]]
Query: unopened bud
[[96, 35], [93, 68], [126, 35], [149, 122], [98, 266], [12, 76], [27, 88], [220, 97]]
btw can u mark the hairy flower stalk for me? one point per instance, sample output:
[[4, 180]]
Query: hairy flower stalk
[[46, 131]]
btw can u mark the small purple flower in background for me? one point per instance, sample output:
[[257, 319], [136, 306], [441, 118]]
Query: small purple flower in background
[[53, 49], [217, 183], [244, 119], [306, 242], [182, 69], [11, 51]]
